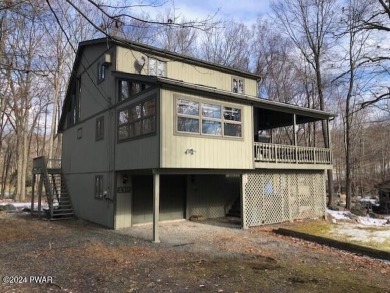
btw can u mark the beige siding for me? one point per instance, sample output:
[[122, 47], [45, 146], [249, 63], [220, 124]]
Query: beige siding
[[210, 153], [126, 58]]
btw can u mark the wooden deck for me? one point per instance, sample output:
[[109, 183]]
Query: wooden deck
[[277, 156]]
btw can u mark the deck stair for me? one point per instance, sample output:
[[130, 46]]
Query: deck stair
[[235, 210], [50, 176]]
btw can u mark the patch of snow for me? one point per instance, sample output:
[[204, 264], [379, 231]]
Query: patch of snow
[[21, 205], [339, 215], [359, 233], [368, 230], [367, 221], [371, 201], [373, 222]]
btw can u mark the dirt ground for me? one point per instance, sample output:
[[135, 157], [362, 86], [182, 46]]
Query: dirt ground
[[210, 256]]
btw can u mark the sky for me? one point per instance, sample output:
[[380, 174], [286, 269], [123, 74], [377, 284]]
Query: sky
[[245, 11]]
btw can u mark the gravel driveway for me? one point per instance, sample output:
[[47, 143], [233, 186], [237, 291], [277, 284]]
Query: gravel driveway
[[209, 256]]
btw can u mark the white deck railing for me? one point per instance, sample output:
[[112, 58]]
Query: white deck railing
[[277, 153]]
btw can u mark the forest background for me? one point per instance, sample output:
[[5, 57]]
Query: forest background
[[332, 55]]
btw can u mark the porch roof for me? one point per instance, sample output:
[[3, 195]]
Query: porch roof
[[274, 114]]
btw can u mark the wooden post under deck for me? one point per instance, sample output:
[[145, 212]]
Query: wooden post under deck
[[295, 137], [156, 207], [32, 194], [244, 180], [40, 189]]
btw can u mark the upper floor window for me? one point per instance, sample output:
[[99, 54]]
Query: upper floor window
[[101, 72], [208, 118], [128, 89], [238, 85], [99, 132], [137, 120], [157, 67]]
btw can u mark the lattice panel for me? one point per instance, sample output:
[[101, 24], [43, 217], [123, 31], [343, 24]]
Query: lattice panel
[[274, 196]]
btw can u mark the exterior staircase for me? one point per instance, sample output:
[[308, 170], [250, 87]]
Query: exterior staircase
[[235, 210], [52, 179], [60, 205]]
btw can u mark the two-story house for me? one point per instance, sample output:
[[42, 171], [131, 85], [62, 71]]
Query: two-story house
[[152, 135]]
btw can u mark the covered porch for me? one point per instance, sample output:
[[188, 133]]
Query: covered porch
[[291, 137]]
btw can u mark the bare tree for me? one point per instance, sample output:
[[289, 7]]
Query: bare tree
[[227, 45], [309, 24], [353, 65], [179, 39], [21, 72], [374, 16]]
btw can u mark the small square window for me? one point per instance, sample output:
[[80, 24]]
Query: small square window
[[99, 134], [157, 67], [99, 187], [238, 85]]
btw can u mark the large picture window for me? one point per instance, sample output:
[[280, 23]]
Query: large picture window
[[208, 118], [137, 120]]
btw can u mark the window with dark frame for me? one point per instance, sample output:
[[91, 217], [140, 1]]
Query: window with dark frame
[[137, 120], [99, 187], [101, 72], [99, 133], [129, 89], [74, 110], [195, 117]]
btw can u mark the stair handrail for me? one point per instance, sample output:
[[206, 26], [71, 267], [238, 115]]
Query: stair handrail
[[47, 185], [63, 181]]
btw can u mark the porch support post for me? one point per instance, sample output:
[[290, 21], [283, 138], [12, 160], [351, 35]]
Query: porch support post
[[328, 129], [40, 189], [329, 141], [32, 193], [244, 180], [156, 207], [295, 137]]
